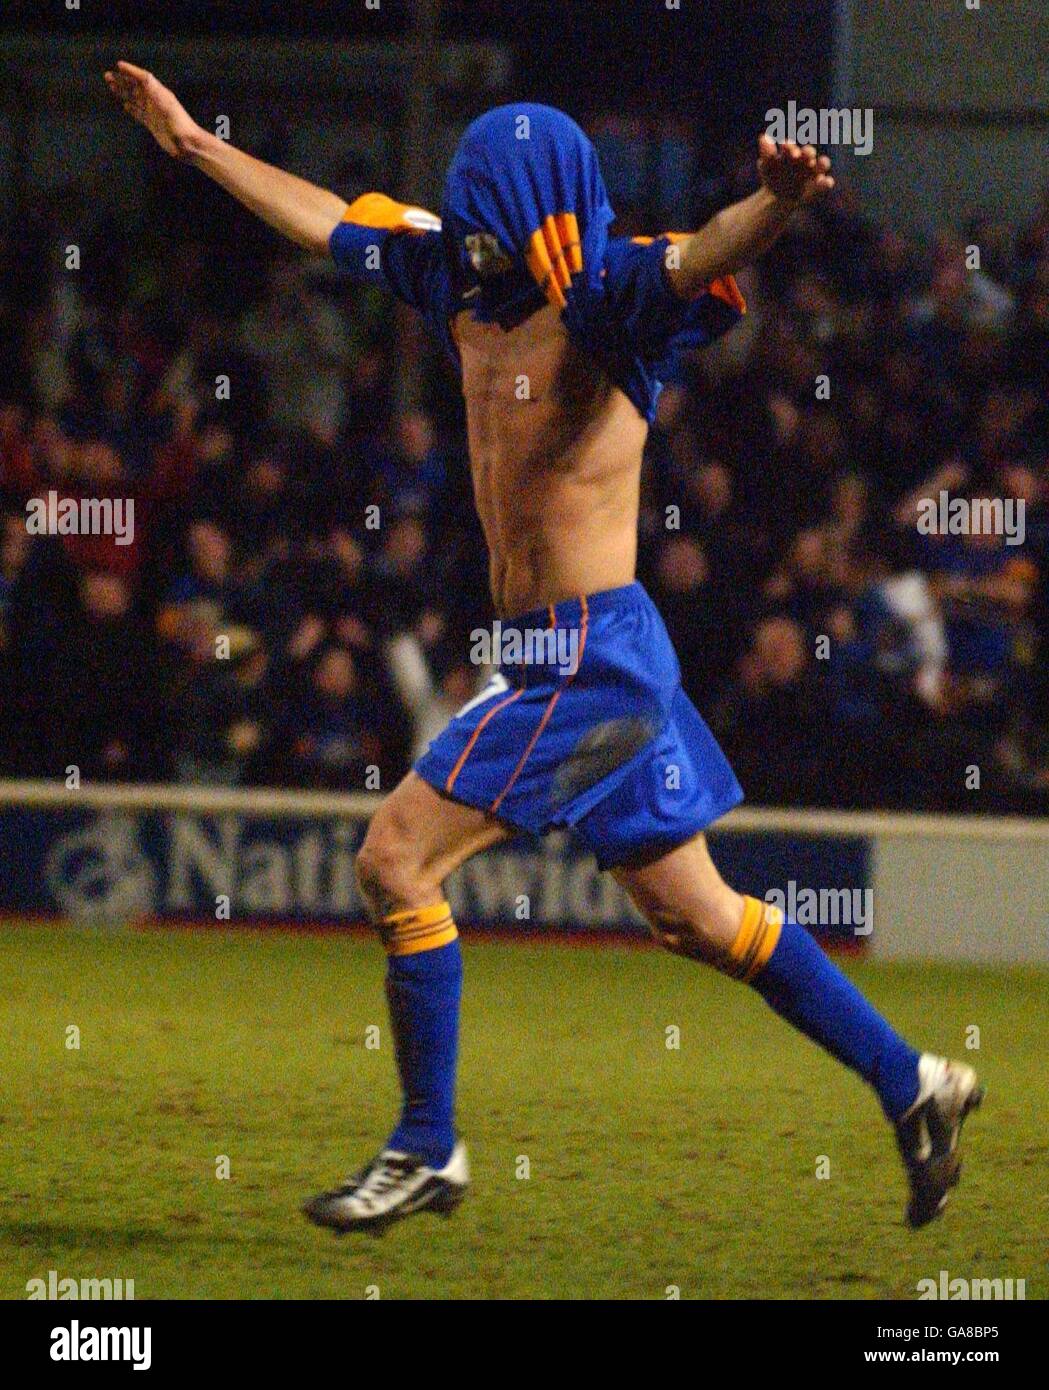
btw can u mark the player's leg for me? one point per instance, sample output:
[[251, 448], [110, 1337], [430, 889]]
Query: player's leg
[[694, 913], [415, 840]]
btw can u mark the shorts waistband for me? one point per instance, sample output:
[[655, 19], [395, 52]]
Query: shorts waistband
[[570, 612]]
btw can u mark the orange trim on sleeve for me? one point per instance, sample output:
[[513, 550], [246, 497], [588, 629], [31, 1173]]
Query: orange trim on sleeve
[[727, 290], [673, 237], [377, 210]]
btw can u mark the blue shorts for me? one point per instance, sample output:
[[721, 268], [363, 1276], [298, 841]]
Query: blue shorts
[[585, 726]]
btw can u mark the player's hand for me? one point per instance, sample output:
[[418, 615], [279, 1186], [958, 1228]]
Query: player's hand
[[794, 174], [153, 106]]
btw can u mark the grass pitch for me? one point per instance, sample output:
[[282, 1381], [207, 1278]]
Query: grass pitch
[[647, 1166]]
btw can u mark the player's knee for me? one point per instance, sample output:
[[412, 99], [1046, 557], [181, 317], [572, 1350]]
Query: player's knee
[[684, 937], [703, 932], [389, 875]]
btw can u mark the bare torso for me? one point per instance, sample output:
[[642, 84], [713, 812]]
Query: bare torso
[[555, 456]]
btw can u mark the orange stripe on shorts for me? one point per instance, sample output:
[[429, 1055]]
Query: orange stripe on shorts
[[474, 737], [583, 621]]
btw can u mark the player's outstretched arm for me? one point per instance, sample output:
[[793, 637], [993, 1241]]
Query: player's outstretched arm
[[299, 210], [791, 175]]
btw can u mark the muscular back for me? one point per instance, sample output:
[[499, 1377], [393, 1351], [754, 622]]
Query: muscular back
[[555, 456]]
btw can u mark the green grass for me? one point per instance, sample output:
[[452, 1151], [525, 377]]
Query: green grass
[[648, 1167]]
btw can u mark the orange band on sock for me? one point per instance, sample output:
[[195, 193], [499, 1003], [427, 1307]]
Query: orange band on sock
[[420, 929], [756, 940]]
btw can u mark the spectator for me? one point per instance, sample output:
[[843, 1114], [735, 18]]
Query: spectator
[[262, 627]]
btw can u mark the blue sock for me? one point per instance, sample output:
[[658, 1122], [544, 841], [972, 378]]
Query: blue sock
[[806, 988], [423, 986]]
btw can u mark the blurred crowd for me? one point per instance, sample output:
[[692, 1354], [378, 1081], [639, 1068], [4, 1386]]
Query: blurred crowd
[[306, 568]]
